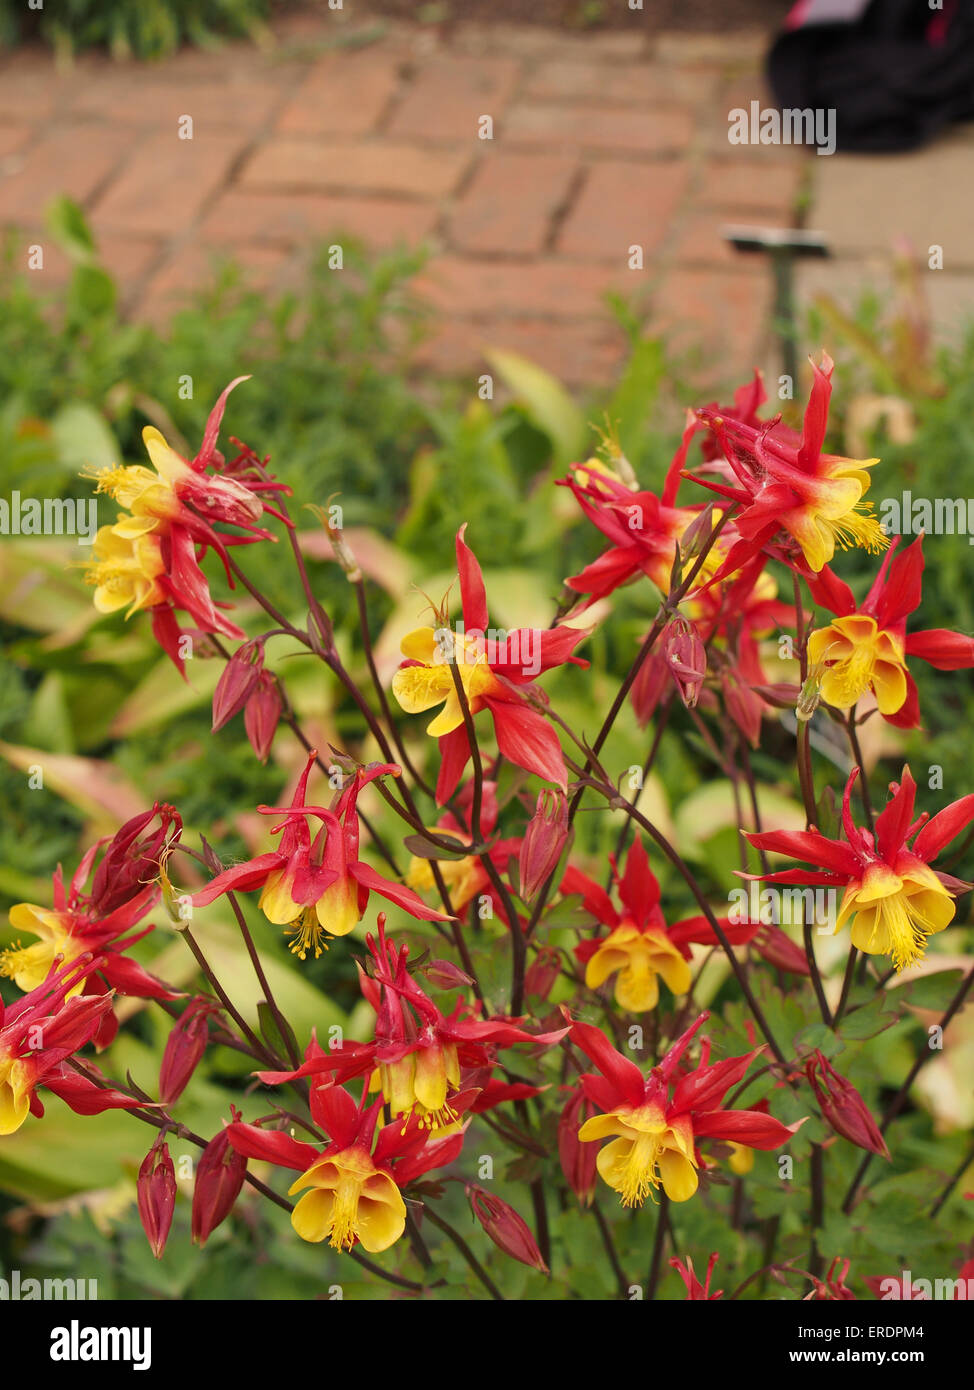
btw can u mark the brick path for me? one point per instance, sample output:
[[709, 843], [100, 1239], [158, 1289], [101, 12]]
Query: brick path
[[600, 143]]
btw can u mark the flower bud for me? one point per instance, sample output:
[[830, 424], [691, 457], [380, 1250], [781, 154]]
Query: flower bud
[[686, 658], [443, 974], [237, 682], [543, 843], [156, 1195], [262, 712], [220, 1175], [652, 679], [184, 1048], [578, 1160], [744, 707], [843, 1107], [507, 1230], [779, 950], [541, 974]]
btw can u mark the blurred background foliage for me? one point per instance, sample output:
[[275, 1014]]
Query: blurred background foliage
[[113, 727], [131, 28]]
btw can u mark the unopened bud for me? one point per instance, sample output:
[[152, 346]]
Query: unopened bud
[[237, 682], [261, 715], [443, 974], [541, 974], [843, 1107], [156, 1195], [220, 1175], [507, 1230], [184, 1048], [544, 841], [686, 657], [578, 1160]]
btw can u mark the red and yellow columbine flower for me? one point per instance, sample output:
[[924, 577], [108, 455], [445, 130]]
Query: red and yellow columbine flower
[[640, 948], [788, 484], [124, 888], [352, 1189], [419, 1057], [865, 647], [697, 1292], [317, 888], [148, 560], [38, 1033], [491, 667], [892, 899], [655, 1134], [643, 528]]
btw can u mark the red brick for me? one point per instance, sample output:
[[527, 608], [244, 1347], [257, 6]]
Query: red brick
[[13, 138], [579, 354], [724, 315], [168, 182], [449, 94], [344, 94], [509, 206], [699, 240], [72, 161], [626, 84], [31, 89], [292, 219], [598, 128], [553, 289], [768, 186], [372, 166], [238, 101], [621, 205], [193, 267]]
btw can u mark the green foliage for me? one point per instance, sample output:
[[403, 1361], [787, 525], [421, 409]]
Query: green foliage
[[132, 28]]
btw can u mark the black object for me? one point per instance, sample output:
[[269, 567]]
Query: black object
[[895, 71]]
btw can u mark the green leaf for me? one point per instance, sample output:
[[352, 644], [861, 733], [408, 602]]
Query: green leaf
[[83, 438], [66, 223], [933, 991], [545, 402]]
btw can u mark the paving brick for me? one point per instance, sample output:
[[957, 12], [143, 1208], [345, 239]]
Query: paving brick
[[240, 101], [168, 181], [74, 161], [768, 185], [448, 95], [509, 206], [31, 89], [721, 316], [556, 289], [13, 138], [343, 94], [698, 240], [719, 50], [626, 84], [865, 202], [294, 219], [380, 166], [622, 204], [571, 126], [579, 354]]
